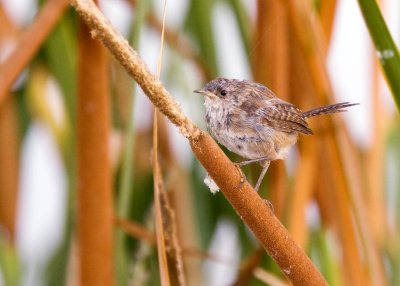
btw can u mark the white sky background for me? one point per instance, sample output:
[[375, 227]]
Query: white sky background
[[41, 196], [349, 66]]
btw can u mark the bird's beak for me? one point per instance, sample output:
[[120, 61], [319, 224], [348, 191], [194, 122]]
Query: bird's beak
[[202, 92]]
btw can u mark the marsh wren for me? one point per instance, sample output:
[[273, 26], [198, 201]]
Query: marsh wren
[[248, 119]]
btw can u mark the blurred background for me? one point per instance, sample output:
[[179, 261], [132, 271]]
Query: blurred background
[[338, 193]]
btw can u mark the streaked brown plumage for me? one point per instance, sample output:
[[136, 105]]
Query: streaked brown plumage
[[252, 122]]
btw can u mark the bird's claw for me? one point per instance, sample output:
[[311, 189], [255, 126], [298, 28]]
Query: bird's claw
[[242, 176], [269, 204]]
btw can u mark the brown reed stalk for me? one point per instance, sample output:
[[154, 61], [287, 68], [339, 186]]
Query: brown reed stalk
[[375, 197], [271, 47], [271, 67], [247, 268], [187, 229], [253, 210], [168, 245], [159, 199], [182, 202], [9, 145], [327, 17], [370, 244], [309, 36], [29, 43], [94, 198], [314, 56], [302, 194], [9, 148], [269, 278], [136, 230], [302, 91]]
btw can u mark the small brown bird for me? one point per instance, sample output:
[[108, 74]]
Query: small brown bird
[[248, 119]]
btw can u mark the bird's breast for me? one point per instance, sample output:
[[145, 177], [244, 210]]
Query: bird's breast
[[251, 140]]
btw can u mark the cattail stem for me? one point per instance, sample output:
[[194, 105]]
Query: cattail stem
[[247, 203]]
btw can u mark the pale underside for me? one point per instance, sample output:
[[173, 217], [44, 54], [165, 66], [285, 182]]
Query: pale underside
[[253, 134]]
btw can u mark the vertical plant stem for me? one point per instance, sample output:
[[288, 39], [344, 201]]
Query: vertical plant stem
[[201, 19], [125, 195], [386, 49], [347, 197], [188, 232], [270, 66], [271, 47], [376, 162], [302, 193], [126, 182], [244, 23], [170, 273], [327, 16], [9, 146], [95, 204], [301, 93], [158, 188], [158, 185]]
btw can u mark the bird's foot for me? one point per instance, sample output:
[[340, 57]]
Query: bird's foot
[[269, 204], [262, 174], [242, 176], [246, 162]]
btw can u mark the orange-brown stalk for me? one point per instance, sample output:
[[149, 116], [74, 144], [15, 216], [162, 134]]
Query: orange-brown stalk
[[253, 210], [375, 197], [327, 17], [270, 66], [182, 202], [348, 200], [256, 213], [136, 230], [29, 43], [247, 268], [168, 246], [9, 145], [95, 203], [314, 55], [304, 178]]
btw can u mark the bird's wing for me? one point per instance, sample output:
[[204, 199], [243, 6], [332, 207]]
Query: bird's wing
[[283, 116], [276, 113], [244, 126]]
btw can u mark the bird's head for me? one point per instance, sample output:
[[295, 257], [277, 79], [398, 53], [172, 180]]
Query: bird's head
[[232, 90]]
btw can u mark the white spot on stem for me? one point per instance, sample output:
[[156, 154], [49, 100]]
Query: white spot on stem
[[385, 55], [211, 184]]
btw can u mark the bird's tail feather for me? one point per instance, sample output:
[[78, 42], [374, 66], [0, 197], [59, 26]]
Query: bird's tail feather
[[333, 108]]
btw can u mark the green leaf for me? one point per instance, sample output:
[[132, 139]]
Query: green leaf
[[385, 47], [10, 267], [125, 194], [199, 22], [244, 23]]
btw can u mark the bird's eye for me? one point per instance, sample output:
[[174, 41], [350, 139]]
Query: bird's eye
[[223, 92]]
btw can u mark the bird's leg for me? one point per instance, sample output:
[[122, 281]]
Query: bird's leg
[[243, 177], [244, 163], [269, 204], [262, 174]]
